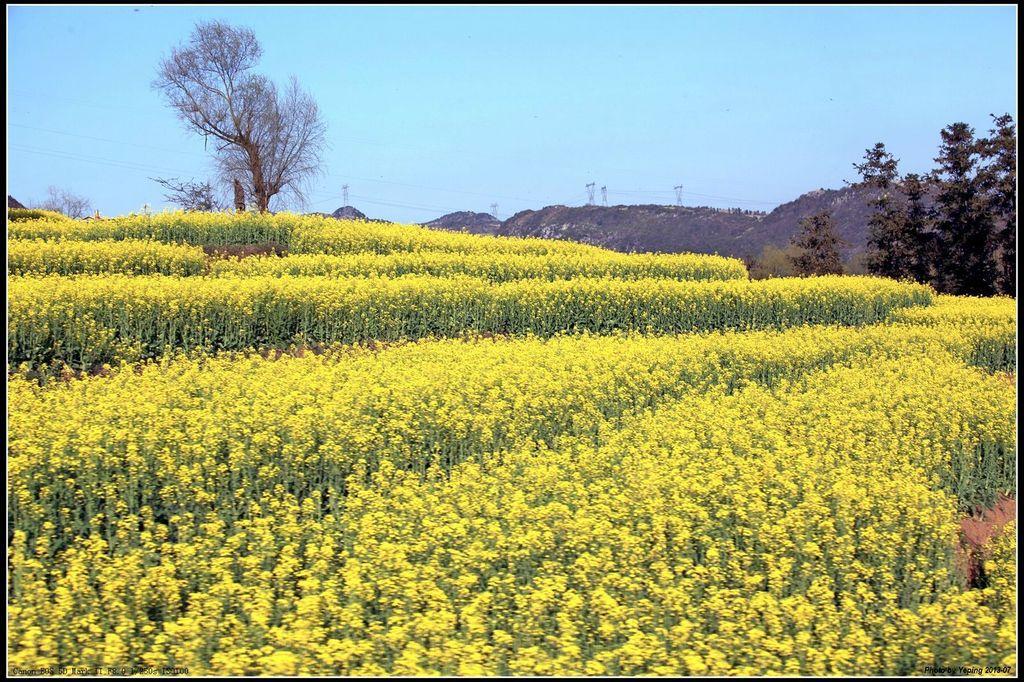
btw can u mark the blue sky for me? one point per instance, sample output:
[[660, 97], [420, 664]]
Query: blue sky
[[434, 109]]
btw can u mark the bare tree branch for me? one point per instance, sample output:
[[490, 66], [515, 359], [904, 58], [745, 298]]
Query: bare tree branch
[[190, 195], [273, 142], [63, 201]]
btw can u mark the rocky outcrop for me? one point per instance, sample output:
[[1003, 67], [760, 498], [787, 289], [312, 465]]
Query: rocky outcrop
[[467, 221]]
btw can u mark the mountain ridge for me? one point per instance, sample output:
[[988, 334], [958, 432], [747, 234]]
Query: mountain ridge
[[673, 229]]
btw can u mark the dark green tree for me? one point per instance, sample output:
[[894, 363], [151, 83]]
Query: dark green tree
[[917, 230], [889, 253], [817, 246], [999, 181], [964, 223]]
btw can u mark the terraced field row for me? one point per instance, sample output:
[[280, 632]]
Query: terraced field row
[[88, 320]]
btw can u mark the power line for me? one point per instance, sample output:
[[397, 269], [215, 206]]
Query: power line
[[72, 156], [87, 103], [428, 187], [199, 154], [656, 192], [590, 186], [604, 195], [494, 210], [106, 139], [146, 168], [344, 194], [49, 96], [75, 156], [143, 168], [445, 209]]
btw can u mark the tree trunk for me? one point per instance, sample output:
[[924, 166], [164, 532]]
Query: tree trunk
[[239, 197], [259, 183]]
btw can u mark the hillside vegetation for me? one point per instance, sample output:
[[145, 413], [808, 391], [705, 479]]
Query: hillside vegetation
[[675, 229], [396, 450]]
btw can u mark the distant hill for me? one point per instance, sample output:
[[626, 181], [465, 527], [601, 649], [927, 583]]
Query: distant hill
[[467, 221], [13, 203], [637, 228], [673, 229], [349, 213], [850, 208]]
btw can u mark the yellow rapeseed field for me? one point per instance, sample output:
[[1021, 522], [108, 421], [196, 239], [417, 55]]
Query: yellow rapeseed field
[[132, 256], [495, 267], [298, 233], [18, 214], [145, 256], [95, 319], [425, 453]]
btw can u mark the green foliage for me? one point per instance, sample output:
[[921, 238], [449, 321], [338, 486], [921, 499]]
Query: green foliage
[[965, 223], [894, 245], [966, 242], [19, 214], [917, 238], [87, 320], [494, 267], [818, 246], [127, 257], [999, 179], [773, 262]]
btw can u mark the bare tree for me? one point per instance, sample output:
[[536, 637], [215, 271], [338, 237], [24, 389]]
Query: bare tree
[[63, 201], [239, 195], [286, 150], [190, 195], [273, 141]]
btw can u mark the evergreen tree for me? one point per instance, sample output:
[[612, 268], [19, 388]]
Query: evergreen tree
[[999, 180], [917, 232], [964, 223], [889, 254], [818, 246]]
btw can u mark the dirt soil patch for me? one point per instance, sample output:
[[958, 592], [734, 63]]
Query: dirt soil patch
[[975, 532]]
